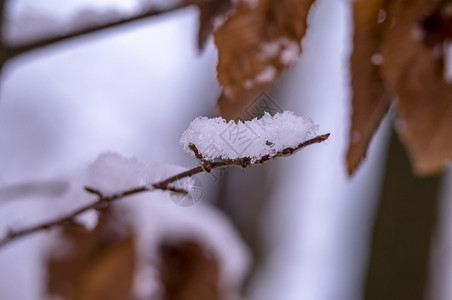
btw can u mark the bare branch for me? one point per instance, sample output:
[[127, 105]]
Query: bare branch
[[51, 188], [13, 51], [104, 201]]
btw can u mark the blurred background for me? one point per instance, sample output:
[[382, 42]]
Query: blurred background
[[304, 228]]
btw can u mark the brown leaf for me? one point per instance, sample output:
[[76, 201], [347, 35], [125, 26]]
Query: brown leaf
[[369, 102], [209, 11], [258, 40], [99, 264], [410, 42], [413, 66], [188, 272]]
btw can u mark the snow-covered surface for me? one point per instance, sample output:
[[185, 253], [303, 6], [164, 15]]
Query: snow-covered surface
[[217, 139], [112, 91], [154, 217]]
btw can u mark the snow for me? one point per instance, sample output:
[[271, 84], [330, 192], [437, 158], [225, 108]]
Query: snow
[[267, 75], [288, 50], [217, 139], [156, 218], [381, 16], [283, 49], [376, 59], [153, 218], [290, 53], [269, 50], [142, 115]]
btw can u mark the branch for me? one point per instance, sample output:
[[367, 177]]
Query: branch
[[103, 201], [12, 51], [54, 188]]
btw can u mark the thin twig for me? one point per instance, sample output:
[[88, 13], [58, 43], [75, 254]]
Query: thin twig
[[103, 201], [13, 51]]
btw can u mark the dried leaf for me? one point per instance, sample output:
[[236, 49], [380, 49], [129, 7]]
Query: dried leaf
[[369, 102], [413, 66], [99, 264], [209, 12], [410, 45], [188, 271], [258, 40]]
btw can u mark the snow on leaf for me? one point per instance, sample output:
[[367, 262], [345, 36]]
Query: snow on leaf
[[259, 39], [117, 257], [217, 139]]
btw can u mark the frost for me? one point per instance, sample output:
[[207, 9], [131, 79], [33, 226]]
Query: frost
[[269, 50], [288, 50], [376, 59], [290, 53], [381, 16], [217, 139], [267, 75]]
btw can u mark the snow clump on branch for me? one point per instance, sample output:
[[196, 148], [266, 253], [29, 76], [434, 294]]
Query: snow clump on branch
[[217, 139]]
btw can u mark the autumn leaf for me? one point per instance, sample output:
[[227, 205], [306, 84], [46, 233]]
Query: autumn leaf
[[187, 271], [99, 264], [258, 40], [209, 12], [370, 101], [410, 46], [414, 69]]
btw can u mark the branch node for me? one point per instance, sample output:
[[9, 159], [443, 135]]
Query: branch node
[[94, 191], [102, 205]]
